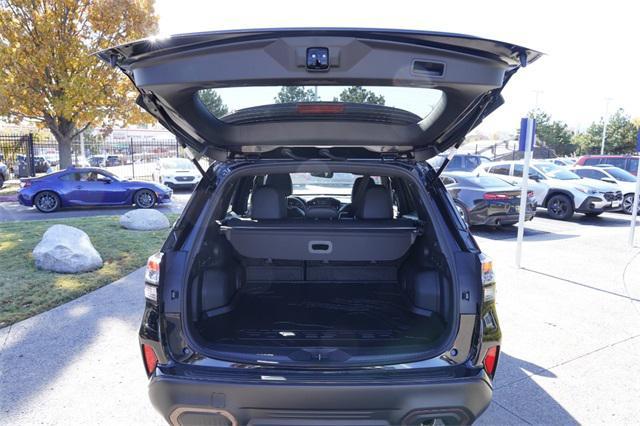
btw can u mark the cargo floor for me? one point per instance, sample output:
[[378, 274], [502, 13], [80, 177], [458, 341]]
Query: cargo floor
[[361, 315]]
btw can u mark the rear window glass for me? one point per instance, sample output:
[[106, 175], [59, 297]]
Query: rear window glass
[[491, 182], [338, 185], [223, 102]]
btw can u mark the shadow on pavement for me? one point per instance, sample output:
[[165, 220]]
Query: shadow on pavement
[[42, 351], [609, 220], [511, 233], [518, 399]]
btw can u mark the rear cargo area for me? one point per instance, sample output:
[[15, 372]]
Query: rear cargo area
[[347, 315]]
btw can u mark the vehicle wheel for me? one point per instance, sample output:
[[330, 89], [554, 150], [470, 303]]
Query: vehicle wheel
[[463, 213], [627, 203], [593, 214], [47, 201], [144, 199], [560, 207]]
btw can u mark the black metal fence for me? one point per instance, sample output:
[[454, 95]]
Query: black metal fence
[[133, 157]]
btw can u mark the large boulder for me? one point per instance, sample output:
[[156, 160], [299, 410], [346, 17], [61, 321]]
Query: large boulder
[[66, 249], [144, 220]]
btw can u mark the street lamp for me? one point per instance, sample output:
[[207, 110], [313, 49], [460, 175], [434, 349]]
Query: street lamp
[[604, 128]]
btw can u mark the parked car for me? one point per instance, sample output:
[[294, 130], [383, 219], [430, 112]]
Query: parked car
[[460, 162], [625, 162], [113, 160], [176, 173], [41, 164], [625, 180], [97, 161], [83, 187], [559, 190], [487, 200], [4, 173], [563, 161], [270, 306]]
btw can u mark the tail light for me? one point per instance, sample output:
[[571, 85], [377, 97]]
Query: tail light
[[150, 359], [152, 277], [494, 196], [488, 278], [491, 360]]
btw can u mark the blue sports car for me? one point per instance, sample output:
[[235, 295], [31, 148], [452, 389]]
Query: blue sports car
[[79, 187]]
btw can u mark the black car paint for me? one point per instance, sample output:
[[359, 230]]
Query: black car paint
[[185, 377], [468, 193]]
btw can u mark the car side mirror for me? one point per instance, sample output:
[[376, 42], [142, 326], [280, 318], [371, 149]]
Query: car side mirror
[[608, 179], [534, 177]]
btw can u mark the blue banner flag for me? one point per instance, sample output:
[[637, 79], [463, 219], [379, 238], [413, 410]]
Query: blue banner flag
[[524, 124]]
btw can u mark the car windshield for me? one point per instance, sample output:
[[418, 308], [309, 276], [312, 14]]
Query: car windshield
[[177, 163], [621, 175], [556, 172]]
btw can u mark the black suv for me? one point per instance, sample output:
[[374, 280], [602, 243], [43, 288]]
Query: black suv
[[320, 273]]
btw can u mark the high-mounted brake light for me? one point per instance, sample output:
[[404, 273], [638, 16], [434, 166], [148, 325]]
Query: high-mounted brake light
[[150, 359], [491, 360], [320, 108], [493, 196]]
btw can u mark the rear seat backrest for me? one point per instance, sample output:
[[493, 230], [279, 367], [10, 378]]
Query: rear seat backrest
[[268, 203], [376, 204]]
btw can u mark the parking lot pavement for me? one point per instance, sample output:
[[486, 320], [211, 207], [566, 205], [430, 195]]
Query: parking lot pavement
[[12, 211], [570, 353]]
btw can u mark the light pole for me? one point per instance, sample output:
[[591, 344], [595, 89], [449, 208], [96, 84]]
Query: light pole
[[538, 93], [604, 128]]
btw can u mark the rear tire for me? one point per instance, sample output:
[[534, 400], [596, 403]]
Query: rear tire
[[144, 199], [47, 201], [559, 207]]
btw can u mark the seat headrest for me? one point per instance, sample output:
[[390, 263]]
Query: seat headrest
[[268, 203], [282, 182], [376, 204], [356, 186]]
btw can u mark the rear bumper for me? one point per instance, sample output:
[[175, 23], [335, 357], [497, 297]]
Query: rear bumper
[[280, 403]]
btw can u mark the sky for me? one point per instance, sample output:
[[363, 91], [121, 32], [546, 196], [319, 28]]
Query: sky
[[592, 48]]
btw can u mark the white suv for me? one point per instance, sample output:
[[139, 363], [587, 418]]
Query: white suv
[[176, 173], [559, 190], [625, 180]]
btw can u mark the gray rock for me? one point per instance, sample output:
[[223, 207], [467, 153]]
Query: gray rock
[[66, 249], [144, 220]]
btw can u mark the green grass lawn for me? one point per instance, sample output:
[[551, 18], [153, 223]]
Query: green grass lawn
[[9, 189], [26, 291]]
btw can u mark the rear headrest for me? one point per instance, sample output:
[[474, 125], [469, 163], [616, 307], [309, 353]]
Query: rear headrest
[[281, 182], [356, 185], [268, 203], [376, 204]]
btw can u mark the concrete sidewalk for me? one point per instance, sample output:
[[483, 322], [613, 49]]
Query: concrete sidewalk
[[570, 353], [78, 363]]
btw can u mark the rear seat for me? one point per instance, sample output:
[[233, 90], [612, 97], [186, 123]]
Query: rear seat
[[374, 235]]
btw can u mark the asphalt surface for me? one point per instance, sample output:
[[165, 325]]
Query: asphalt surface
[[12, 211], [570, 353]]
